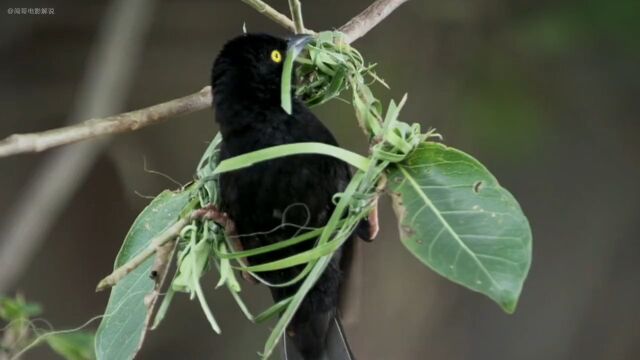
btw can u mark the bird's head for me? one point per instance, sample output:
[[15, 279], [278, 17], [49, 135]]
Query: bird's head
[[249, 69]]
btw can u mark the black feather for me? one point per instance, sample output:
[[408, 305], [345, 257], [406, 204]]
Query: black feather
[[273, 200]]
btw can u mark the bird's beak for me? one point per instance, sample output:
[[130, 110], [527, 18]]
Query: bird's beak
[[298, 42]]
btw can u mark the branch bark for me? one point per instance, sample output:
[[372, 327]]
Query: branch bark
[[134, 120], [296, 14], [272, 14], [369, 18], [129, 121]]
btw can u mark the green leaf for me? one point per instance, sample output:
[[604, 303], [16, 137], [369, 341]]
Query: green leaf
[[190, 270], [73, 346], [455, 218], [248, 159], [122, 328], [17, 308]]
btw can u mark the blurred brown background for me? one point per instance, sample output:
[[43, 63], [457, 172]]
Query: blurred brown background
[[545, 93]]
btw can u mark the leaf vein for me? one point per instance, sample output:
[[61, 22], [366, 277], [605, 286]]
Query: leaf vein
[[447, 226]]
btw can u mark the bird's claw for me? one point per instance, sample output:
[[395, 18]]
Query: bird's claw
[[211, 212], [374, 226]]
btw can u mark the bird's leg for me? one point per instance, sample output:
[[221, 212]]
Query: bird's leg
[[374, 226], [211, 212]]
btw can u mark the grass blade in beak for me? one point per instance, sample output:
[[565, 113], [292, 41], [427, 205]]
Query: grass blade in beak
[[296, 45]]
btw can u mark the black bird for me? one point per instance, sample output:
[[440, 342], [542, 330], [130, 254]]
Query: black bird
[[275, 200]]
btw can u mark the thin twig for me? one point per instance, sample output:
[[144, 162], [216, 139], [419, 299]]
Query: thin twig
[[296, 14], [168, 235], [160, 272], [129, 121], [272, 14], [369, 18], [159, 243], [35, 142]]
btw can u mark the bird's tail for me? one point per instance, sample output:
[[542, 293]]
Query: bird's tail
[[336, 346]]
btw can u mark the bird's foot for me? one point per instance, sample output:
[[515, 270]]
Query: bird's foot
[[211, 212], [374, 226]]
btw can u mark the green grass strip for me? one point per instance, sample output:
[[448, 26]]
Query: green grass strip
[[245, 160]]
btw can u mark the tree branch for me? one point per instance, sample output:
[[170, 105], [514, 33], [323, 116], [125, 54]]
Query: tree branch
[[369, 18], [296, 14], [130, 121], [272, 14]]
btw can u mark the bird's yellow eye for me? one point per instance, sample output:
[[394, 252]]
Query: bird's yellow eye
[[276, 56]]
